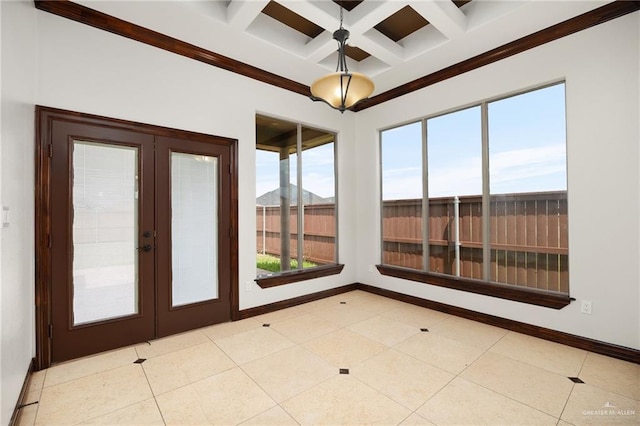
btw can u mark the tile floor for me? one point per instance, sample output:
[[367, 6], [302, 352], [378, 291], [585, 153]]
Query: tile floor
[[285, 368]]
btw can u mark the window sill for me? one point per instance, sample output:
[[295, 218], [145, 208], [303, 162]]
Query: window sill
[[519, 294], [299, 275]]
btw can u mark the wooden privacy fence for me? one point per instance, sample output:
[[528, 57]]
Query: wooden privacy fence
[[528, 242], [319, 232]]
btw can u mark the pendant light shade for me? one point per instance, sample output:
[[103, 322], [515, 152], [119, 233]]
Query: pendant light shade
[[342, 89]]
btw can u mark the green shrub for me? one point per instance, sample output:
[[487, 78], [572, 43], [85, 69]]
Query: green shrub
[[272, 263]]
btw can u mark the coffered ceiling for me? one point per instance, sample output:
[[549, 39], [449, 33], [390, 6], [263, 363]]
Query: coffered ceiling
[[392, 41]]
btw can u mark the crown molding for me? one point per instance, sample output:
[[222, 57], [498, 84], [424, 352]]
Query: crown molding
[[85, 15], [96, 19], [587, 20]]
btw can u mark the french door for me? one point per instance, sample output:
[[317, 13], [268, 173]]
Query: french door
[[138, 228]]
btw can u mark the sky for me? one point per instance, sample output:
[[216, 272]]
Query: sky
[[527, 149], [527, 152], [317, 171]]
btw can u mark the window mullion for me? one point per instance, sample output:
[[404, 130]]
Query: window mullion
[[486, 196], [300, 215], [425, 199]]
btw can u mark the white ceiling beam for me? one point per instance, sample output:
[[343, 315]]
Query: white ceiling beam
[[320, 47], [444, 15], [314, 13], [240, 13], [377, 44], [368, 14]]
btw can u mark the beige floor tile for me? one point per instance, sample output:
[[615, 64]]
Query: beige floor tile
[[612, 374], [181, 407], [469, 332], [589, 405], [275, 416], [88, 366], [344, 400], [402, 378], [374, 303], [551, 356], [505, 377], [32, 396], [179, 368], [346, 297], [93, 396], [356, 294], [305, 327], [27, 415], [416, 316], [450, 355], [344, 348], [329, 302], [417, 420], [142, 413], [344, 315], [220, 331], [253, 344], [37, 380], [170, 344], [384, 330], [281, 315], [538, 388], [465, 403], [289, 372], [231, 397]]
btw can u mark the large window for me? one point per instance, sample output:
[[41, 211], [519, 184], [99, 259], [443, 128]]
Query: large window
[[479, 195], [296, 215]]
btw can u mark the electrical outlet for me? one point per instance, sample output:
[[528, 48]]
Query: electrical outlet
[[585, 307], [370, 268], [247, 285]]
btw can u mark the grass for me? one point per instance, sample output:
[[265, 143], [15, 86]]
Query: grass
[[272, 263]]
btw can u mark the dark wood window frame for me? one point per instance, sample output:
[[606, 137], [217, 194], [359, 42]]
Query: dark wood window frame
[[485, 288], [549, 299], [290, 277], [324, 270]]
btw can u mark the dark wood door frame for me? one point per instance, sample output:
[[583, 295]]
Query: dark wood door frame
[[45, 117]]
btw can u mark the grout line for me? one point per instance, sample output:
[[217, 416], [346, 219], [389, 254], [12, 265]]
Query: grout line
[[35, 418], [278, 404], [155, 401], [564, 406], [584, 360], [511, 398]]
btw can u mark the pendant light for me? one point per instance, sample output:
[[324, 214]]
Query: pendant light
[[342, 89]]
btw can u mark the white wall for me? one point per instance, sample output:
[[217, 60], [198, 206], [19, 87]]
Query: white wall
[[601, 68], [17, 170], [89, 70]]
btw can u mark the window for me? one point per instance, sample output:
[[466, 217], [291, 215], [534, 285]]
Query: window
[[296, 215], [476, 199]]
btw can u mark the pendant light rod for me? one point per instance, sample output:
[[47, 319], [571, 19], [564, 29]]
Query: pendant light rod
[[341, 35], [341, 90]]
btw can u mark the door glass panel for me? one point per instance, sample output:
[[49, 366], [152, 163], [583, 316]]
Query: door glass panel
[[194, 228], [105, 231]]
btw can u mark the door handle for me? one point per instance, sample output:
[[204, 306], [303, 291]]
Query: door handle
[[146, 247]]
